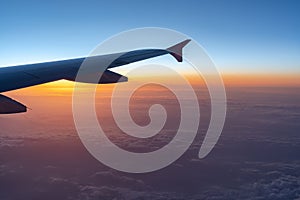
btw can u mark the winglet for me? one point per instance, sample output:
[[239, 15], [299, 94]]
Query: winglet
[[176, 50]]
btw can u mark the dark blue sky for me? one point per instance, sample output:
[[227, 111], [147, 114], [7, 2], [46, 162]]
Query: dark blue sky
[[240, 36]]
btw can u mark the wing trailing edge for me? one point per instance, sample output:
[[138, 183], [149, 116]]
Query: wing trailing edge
[[10, 106]]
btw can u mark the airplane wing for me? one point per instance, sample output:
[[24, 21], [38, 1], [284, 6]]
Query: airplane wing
[[16, 77]]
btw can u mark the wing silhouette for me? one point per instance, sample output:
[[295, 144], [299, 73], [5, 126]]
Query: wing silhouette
[[16, 77]]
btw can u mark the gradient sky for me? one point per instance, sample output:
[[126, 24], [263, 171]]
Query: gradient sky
[[240, 36]]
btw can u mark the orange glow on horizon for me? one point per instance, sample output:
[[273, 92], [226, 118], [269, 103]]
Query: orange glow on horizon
[[65, 88], [262, 80]]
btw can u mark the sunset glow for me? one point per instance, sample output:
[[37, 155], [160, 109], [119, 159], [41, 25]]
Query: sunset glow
[[65, 88], [211, 109]]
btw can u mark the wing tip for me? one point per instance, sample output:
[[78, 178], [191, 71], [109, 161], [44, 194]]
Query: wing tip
[[176, 50]]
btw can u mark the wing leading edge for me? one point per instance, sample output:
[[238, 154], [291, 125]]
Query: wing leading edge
[[17, 77]]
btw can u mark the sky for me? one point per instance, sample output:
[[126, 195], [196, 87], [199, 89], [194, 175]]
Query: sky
[[240, 36]]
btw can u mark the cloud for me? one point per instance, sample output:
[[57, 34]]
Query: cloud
[[103, 193], [117, 193], [257, 157], [115, 179], [10, 142]]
